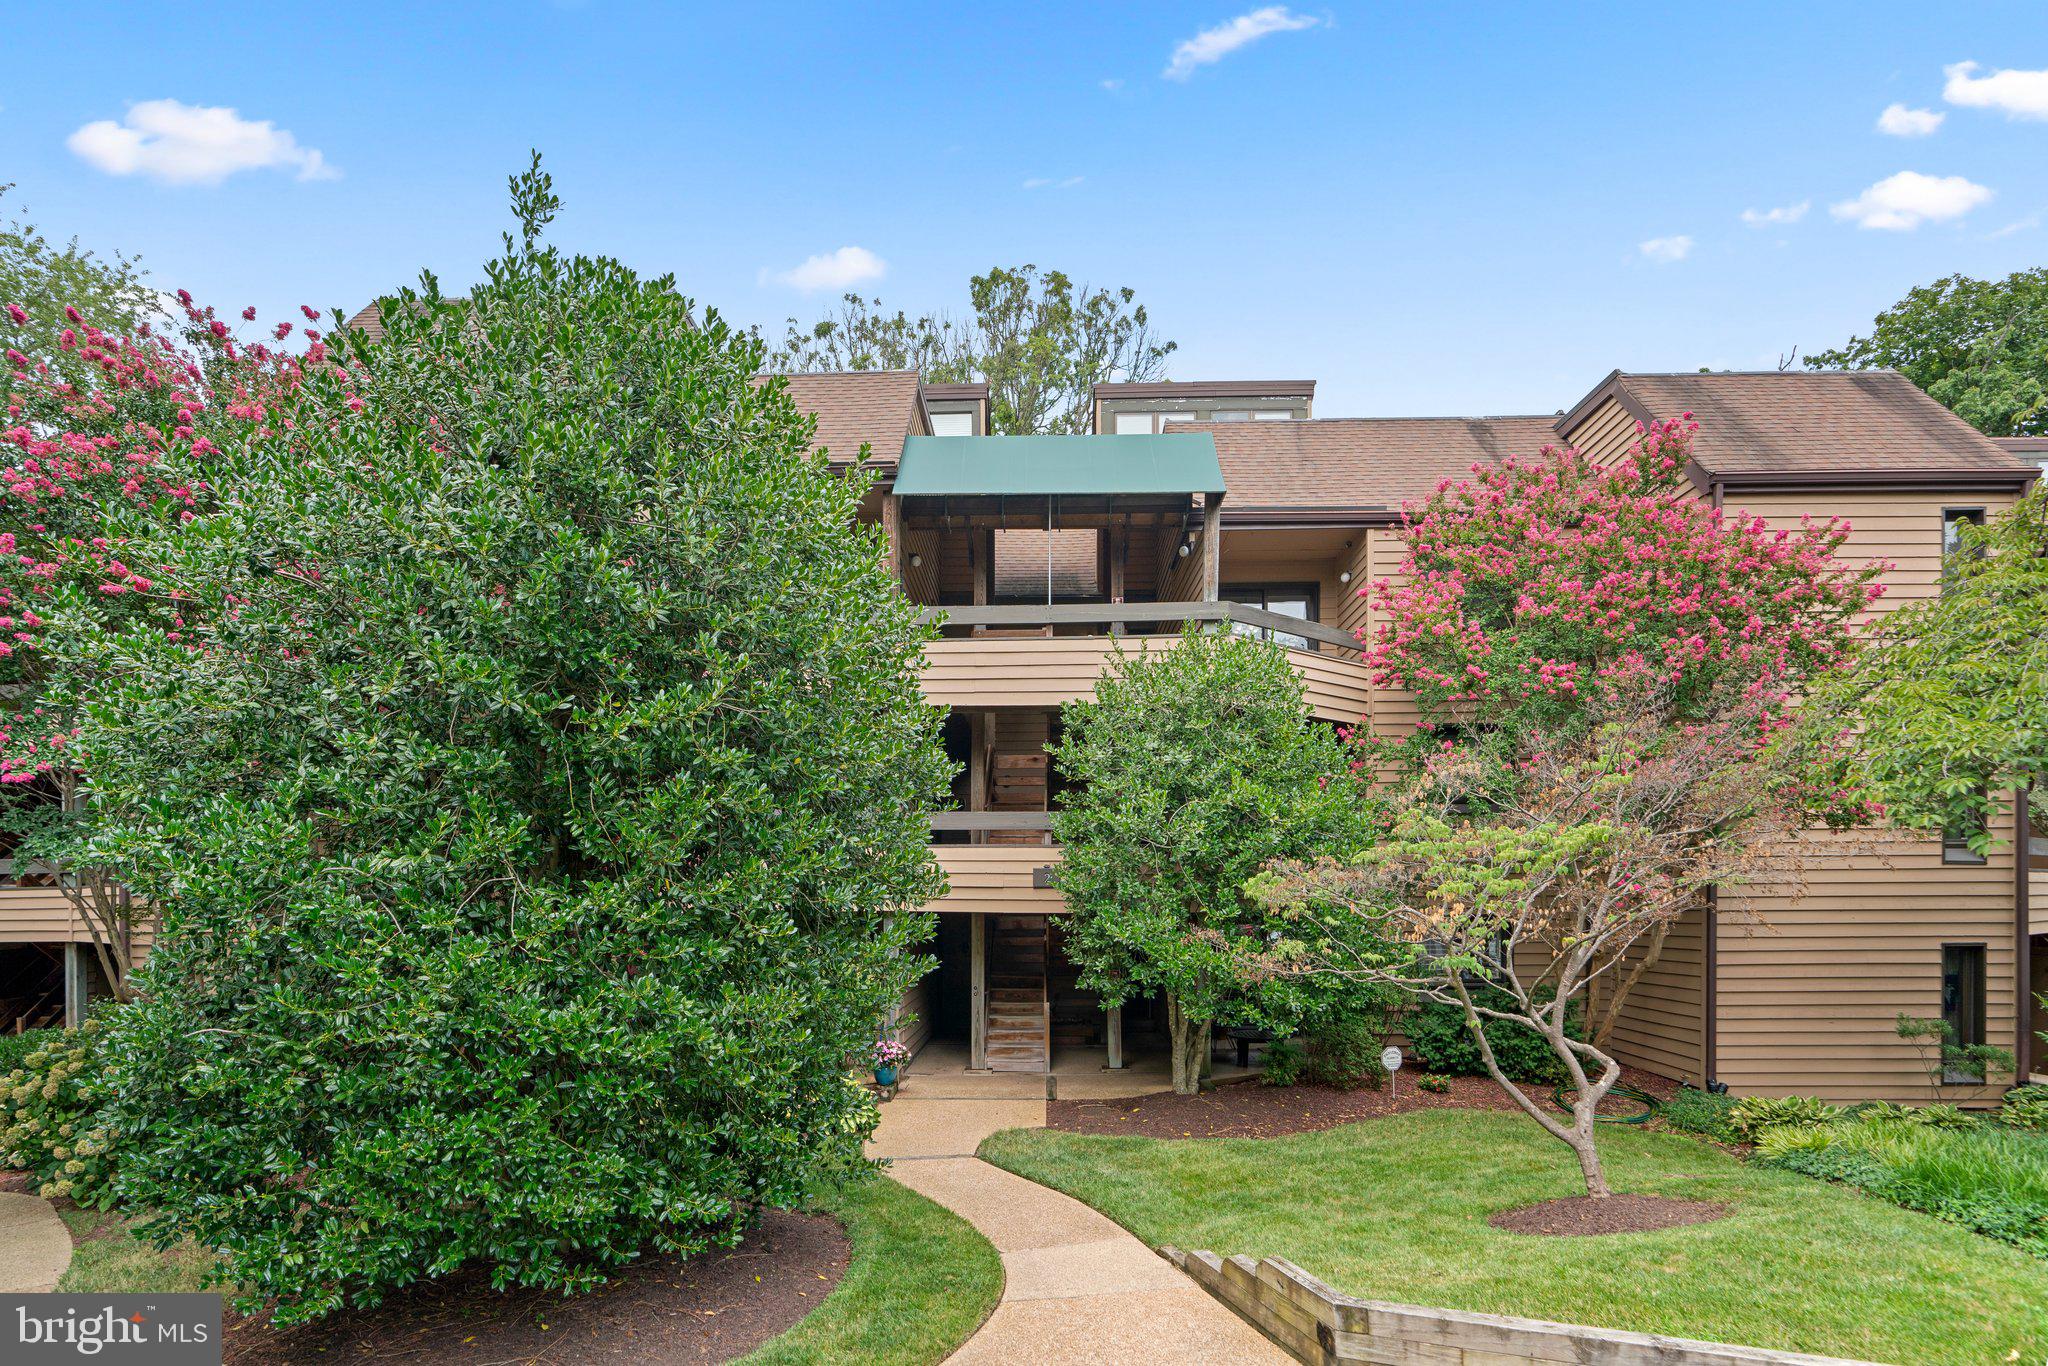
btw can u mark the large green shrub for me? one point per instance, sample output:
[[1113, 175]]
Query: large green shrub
[[1338, 1047], [50, 1120], [1439, 1035], [535, 795], [1344, 1044]]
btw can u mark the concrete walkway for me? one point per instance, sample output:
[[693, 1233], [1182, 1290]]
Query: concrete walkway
[[1077, 1287], [35, 1247]]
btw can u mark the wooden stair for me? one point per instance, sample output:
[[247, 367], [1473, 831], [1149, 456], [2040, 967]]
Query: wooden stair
[[1019, 1021], [1019, 785]]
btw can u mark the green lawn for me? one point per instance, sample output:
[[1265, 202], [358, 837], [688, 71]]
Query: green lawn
[[1396, 1209], [921, 1280], [110, 1260]]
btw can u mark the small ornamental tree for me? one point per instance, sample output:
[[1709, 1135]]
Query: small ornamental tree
[[1191, 768], [1604, 667], [1949, 700], [102, 430], [535, 798]]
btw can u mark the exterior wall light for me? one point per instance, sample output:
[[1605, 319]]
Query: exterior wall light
[[917, 562], [1344, 577], [1184, 550]]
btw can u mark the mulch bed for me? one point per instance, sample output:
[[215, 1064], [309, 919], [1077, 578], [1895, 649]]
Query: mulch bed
[[712, 1308], [1583, 1216], [1249, 1110]]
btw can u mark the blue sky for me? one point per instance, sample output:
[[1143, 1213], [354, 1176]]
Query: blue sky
[[1429, 209]]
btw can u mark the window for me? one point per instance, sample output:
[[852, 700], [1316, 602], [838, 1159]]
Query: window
[[1273, 415], [1134, 424], [1955, 842], [1165, 418], [1297, 600], [952, 424], [1953, 520], [1034, 565], [1962, 1002], [1230, 415]]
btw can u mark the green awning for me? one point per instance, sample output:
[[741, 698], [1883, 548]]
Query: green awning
[[966, 466]]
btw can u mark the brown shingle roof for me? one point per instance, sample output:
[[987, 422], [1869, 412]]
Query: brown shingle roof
[[876, 407], [369, 320], [1818, 423], [1360, 462]]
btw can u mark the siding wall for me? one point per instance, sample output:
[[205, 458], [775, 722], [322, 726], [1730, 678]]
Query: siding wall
[[1810, 986], [1183, 581], [913, 1026], [1663, 1022], [921, 581], [995, 879], [973, 672], [1605, 434], [43, 915]]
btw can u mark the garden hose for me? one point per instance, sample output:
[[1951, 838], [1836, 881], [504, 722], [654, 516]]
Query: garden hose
[[1621, 1089]]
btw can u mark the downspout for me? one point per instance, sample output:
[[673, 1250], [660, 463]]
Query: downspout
[[2023, 943], [1711, 987]]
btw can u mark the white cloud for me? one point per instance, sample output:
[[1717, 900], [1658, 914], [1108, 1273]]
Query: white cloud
[[2032, 220], [1903, 202], [1043, 182], [1111, 84], [1788, 213], [1902, 122], [1212, 45], [1665, 250], [829, 270], [189, 144], [2018, 94]]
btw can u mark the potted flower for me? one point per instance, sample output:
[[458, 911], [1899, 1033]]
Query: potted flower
[[889, 1059]]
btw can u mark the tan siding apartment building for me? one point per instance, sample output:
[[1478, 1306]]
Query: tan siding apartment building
[[1229, 503]]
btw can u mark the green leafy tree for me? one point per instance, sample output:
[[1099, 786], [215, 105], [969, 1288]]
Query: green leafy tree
[[1978, 347], [107, 291], [1190, 770], [534, 797], [1949, 699], [1039, 343]]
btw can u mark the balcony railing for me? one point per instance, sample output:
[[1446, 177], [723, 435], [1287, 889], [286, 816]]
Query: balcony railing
[[971, 821], [1118, 618]]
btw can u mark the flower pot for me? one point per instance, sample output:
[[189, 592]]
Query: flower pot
[[885, 1076]]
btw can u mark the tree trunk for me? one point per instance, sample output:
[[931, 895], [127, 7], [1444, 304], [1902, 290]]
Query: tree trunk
[[1190, 1043], [1581, 1139], [1587, 1095]]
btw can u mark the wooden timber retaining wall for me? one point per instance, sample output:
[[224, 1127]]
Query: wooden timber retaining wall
[[1315, 1324]]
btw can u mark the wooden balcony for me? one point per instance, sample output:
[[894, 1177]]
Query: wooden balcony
[[1043, 656], [1005, 877], [34, 910]]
